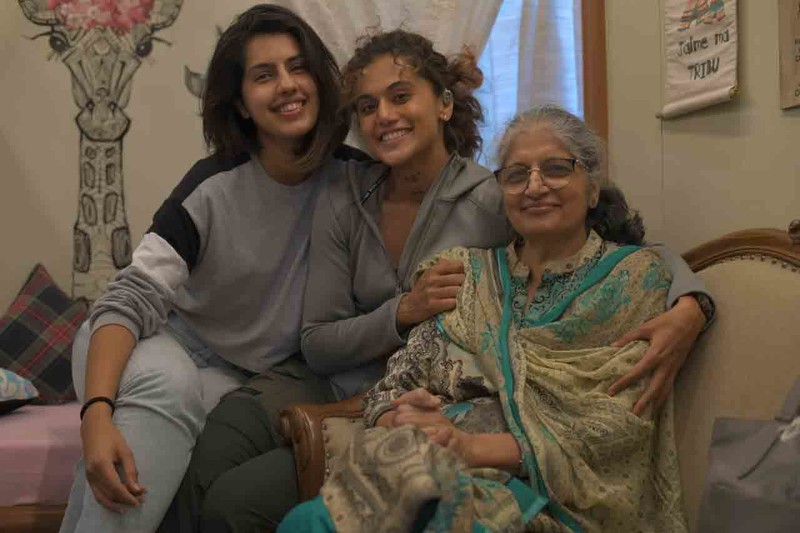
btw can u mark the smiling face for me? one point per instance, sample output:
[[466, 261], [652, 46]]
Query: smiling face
[[279, 94], [541, 213], [400, 116]]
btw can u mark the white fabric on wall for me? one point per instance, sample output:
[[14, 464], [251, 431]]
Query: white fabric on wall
[[701, 39], [529, 50], [550, 69], [533, 56], [448, 23]]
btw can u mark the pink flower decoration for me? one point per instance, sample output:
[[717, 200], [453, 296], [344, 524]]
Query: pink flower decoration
[[119, 15]]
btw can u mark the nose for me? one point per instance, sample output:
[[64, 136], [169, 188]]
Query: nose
[[536, 186], [385, 112], [286, 81]]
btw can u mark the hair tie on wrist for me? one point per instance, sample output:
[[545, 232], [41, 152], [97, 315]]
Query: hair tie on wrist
[[96, 399]]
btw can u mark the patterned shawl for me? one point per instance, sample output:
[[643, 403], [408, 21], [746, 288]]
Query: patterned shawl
[[590, 464]]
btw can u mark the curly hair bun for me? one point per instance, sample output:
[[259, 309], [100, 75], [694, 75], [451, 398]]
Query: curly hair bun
[[464, 69]]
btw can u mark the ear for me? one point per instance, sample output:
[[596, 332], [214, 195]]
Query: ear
[[242, 110], [594, 194], [446, 111]]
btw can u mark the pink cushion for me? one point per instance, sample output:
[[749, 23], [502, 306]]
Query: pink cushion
[[39, 446]]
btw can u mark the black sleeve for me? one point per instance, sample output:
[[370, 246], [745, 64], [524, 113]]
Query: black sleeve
[[173, 223]]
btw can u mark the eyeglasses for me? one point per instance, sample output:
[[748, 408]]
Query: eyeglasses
[[554, 173]]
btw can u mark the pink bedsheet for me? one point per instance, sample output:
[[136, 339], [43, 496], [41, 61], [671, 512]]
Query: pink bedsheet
[[39, 446]]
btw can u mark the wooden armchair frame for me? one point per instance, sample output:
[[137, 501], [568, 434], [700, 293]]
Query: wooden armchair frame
[[303, 427]]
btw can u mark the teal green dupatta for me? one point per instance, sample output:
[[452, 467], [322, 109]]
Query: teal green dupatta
[[533, 497]]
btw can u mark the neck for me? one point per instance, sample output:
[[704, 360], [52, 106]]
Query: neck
[[537, 250], [280, 162], [411, 180]]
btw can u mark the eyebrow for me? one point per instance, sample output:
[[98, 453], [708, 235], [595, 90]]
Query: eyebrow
[[396, 85], [267, 65]]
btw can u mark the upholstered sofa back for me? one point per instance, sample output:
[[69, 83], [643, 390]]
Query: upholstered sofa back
[[745, 364]]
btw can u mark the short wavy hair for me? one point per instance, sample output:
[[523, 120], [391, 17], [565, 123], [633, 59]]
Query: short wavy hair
[[225, 131]]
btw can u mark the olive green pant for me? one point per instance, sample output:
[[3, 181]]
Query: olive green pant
[[241, 477]]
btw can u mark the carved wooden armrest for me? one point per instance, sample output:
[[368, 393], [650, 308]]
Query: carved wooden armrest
[[304, 427]]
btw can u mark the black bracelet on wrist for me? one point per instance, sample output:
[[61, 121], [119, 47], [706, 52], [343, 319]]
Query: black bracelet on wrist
[[96, 399], [707, 307]]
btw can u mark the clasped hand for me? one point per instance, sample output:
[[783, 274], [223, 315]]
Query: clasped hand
[[422, 409]]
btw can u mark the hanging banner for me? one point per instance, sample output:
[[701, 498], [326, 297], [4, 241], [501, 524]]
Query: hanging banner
[[700, 54], [789, 46]]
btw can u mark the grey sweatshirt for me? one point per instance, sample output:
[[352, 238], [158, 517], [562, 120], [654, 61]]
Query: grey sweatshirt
[[228, 251], [352, 292]]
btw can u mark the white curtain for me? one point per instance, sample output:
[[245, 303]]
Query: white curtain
[[529, 50], [448, 23], [533, 56]]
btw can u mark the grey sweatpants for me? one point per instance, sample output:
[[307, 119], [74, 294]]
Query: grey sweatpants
[[165, 392], [241, 478]]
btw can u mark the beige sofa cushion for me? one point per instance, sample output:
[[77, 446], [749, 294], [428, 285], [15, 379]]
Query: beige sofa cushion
[[743, 366]]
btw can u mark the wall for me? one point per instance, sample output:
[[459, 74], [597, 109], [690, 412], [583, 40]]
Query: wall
[[721, 169], [728, 167], [39, 139]]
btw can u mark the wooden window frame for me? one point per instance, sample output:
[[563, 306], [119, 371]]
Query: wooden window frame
[[595, 88]]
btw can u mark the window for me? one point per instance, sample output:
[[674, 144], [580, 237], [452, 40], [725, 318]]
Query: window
[[551, 68]]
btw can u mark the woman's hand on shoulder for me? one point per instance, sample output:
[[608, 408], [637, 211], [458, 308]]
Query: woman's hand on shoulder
[[434, 292], [671, 336]]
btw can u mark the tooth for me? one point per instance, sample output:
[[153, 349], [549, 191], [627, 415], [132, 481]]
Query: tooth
[[393, 135]]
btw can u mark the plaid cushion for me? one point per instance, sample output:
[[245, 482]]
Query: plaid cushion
[[36, 335]]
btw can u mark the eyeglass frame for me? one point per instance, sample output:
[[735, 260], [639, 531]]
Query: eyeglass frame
[[574, 161]]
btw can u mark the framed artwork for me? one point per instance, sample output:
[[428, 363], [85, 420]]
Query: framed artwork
[[789, 47], [701, 54]]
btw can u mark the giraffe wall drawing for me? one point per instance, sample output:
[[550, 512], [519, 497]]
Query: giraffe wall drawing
[[102, 43]]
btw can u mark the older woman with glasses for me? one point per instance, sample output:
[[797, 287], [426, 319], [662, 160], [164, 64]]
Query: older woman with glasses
[[529, 438]]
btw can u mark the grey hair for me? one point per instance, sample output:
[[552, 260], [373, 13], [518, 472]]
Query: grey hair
[[610, 218], [583, 143]]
